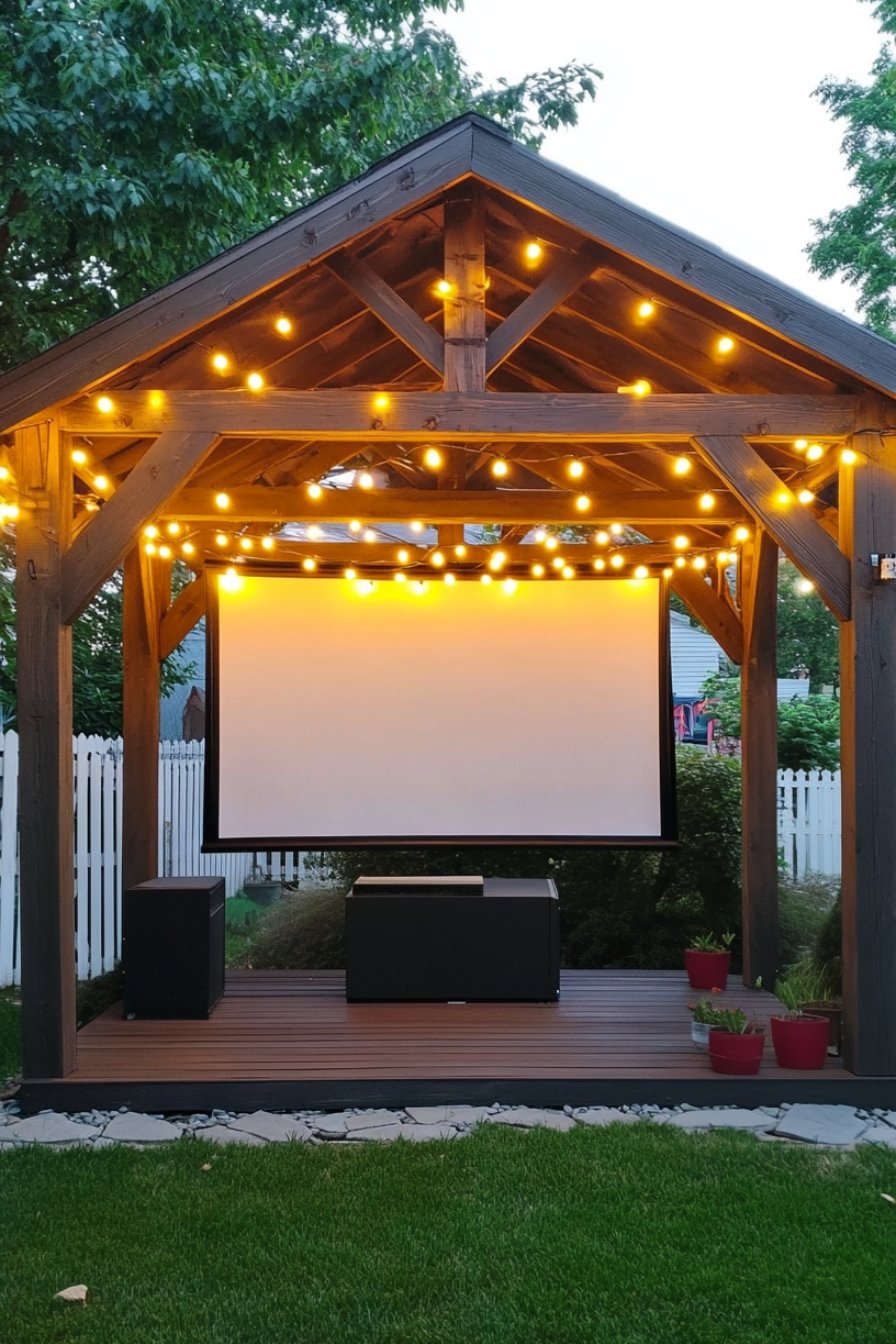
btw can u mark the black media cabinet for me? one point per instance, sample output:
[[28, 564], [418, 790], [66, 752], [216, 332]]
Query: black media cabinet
[[454, 939]]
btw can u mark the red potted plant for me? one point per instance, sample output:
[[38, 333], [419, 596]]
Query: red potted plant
[[707, 961], [736, 1043], [800, 1039]]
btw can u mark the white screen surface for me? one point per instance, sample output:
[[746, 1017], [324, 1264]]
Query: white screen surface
[[460, 713]]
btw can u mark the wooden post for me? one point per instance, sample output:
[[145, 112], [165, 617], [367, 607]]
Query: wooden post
[[465, 337], [759, 761], [868, 757], [44, 681], [141, 605]]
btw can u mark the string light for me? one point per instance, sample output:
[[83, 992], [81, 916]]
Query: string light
[[645, 309], [314, 532], [533, 251], [416, 526], [221, 539], [350, 574], [364, 587], [804, 587], [707, 501], [460, 550], [173, 529], [539, 535], [105, 404], [254, 381], [680, 562], [246, 543], [165, 552], [283, 325], [433, 459], [509, 585], [485, 579], [617, 561], [724, 557], [583, 503], [369, 535], [230, 581], [558, 562], [403, 556], [805, 496], [849, 457], [602, 538], [567, 572], [616, 529], [220, 362], [814, 453], [314, 490], [267, 543], [681, 542], [449, 578], [641, 571], [12, 511], [801, 445], [381, 402], [599, 564], [499, 468], [575, 469], [724, 345], [640, 388], [419, 587], [222, 500], [365, 480], [151, 531], [497, 559], [101, 482], [150, 548], [741, 533], [437, 559], [309, 564], [443, 287], [79, 457], [551, 543], [188, 548], [537, 571], [399, 576], [355, 526], [681, 466], [783, 498], [668, 572], [699, 562]]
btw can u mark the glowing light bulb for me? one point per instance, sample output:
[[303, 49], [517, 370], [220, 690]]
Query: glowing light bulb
[[222, 500], [173, 529], [399, 576], [443, 287], [724, 345], [641, 571], [350, 573], [575, 469], [309, 564], [617, 561], [639, 388], [783, 498], [533, 251], [221, 539], [416, 526], [551, 543], [805, 496], [267, 543], [246, 543], [804, 587], [254, 381], [364, 587], [540, 535], [150, 548], [509, 585], [314, 490], [101, 482], [497, 560], [155, 399], [537, 571], [355, 526], [599, 564], [419, 587], [741, 533], [105, 404], [365, 480], [188, 548], [485, 580], [668, 572], [79, 457], [801, 445], [403, 556], [151, 531], [433, 459], [220, 362], [681, 542], [558, 562], [583, 503], [680, 562], [437, 559], [699, 562], [849, 457], [369, 535], [314, 532], [707, 501], [283, 325], [449, 579], [460, 550], [723, 557], [646, 308], [13, 511], [814, 453], [165, 552], [567, 572], [681, 466], [381, 402], [602, 538], [499, 468], [616, 529]]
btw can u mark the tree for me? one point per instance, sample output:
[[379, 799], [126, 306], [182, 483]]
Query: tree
[[858, 241], [138, 138], [808, 634], [808, 730]]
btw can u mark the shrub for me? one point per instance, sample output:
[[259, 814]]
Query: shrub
[[304, 931], [827, 952], [96, 995], [805, 904]]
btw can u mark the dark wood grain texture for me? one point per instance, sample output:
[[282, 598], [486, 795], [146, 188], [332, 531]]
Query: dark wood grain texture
[[716, 615], [140, 640], [390, 308]]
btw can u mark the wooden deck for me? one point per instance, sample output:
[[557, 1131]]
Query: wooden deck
[[289, 1039]]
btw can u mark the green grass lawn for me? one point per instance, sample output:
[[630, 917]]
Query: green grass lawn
[[621, 1235], [10, 1034]]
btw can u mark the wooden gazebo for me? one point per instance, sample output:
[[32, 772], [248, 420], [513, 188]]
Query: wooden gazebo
[[570, 359]]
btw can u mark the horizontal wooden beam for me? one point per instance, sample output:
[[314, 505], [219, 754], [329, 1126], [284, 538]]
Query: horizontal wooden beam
[[713, 612], [284, 504], [815, 554], [177, 622], [438, 416], [384, 554], [101, 546], [391, 309]]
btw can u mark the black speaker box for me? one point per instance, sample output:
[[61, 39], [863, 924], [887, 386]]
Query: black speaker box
[[173, 947]]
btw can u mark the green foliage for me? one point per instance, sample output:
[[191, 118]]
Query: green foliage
[[808, 730], [808, 634], [708, 942], [617, 907], [304, 931], [97, 668], [138, 138], [804, 908], [97, 994], [827, 952], [10, 1036], [858, 242]]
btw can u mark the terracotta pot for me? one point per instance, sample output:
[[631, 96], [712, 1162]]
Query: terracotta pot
[[735, 1052], [801, 1042], [834, 1017], [707, 970]]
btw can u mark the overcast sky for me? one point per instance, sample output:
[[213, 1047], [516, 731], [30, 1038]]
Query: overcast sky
[[705, 114]]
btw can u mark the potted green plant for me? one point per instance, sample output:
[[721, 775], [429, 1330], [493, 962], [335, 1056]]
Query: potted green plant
[[820, 996], [800, 1039], [705, 1016], [736, 1042], [707, 960]]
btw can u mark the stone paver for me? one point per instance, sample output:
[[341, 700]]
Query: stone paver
[[50, 1128], [416, 1133], [733, 1119], [133, 1127], [832, 1125], [530, 1117], [274, 1128], [604, 1115], [371, 1120], [446, 1115], [334, 1124], [882, 1135], [377, 1133], [224, 1134]]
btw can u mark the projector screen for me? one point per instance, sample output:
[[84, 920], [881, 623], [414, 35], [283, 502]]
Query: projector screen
[[344, 713]]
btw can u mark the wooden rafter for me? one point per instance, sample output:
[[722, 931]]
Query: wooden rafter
[[390, 308], [712, 611], [177, 622], [439, 416], [797, 533], [102, 546], [564, 278]]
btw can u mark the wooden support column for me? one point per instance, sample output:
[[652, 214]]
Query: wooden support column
[[868, 757], [44, 680], [465, 339], [142, 605], [759, 761]]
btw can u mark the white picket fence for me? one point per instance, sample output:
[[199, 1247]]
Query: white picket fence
[[808, 835]]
